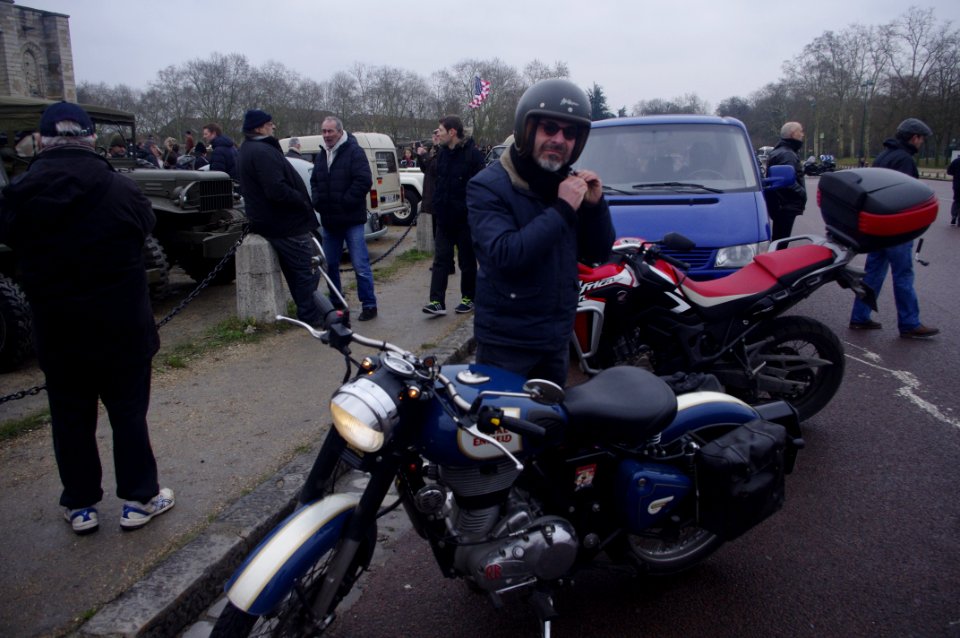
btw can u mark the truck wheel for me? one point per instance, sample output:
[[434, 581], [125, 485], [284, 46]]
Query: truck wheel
[[199, 267], [407, 217], [16, 326], [158, 268]]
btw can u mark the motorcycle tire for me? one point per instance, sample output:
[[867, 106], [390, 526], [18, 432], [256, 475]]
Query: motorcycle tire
[[293, 617], [807, 337], [671, 553]]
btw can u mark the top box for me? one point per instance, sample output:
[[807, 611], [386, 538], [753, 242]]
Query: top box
[[869, 209]]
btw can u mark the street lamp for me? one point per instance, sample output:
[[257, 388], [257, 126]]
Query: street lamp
[[863, 122]]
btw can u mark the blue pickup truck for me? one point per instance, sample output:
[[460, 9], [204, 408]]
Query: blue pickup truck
[[692, 174]]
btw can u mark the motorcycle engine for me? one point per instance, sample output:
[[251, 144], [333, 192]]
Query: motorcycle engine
[[506, 543]]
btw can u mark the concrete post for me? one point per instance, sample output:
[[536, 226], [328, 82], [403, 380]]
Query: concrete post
[[261, 294], [425, 233]]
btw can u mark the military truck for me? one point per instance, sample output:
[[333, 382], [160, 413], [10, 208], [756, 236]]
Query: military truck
[[198, 214]]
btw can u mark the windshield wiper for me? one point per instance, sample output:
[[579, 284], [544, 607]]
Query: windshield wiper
[[608, 188], [676, 185]]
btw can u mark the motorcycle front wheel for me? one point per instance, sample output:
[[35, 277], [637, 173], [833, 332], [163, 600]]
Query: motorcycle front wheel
[[294, 617], [793, 342], [672, 553]]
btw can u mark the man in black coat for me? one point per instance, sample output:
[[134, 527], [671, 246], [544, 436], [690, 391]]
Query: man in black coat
[[457, 161], [340, 187], [954, 171], [78, 230], [784, 204], [223, 153], [279, 209]]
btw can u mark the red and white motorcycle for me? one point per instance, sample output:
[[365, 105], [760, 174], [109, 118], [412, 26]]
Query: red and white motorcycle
[[642, 309]]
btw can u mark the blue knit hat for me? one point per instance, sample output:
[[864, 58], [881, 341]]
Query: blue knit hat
[[254, 119], [62, 111]]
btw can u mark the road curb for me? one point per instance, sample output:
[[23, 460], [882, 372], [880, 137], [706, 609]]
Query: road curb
[[165, 601]]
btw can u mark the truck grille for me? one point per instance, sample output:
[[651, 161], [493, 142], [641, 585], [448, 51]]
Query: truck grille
[[210, 195]]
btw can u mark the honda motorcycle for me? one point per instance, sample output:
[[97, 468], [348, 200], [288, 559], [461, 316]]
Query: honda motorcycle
[[642, 310], [516, 484]]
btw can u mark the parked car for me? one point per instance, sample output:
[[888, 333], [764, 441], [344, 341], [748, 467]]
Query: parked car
[[374, 228], [386, 196], [691, 174]]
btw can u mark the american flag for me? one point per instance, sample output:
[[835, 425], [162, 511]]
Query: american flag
[[481, 89]]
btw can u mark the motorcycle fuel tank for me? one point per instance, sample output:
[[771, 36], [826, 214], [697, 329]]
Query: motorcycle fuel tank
[[444, 443]]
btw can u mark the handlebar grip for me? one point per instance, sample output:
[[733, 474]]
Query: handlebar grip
[[328, 313], [522, 426]]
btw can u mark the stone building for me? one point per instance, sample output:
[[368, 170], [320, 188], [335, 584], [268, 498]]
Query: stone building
[[36, 59]]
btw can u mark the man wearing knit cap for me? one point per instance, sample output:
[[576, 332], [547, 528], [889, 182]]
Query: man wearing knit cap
[[78, 228], [279, 209]]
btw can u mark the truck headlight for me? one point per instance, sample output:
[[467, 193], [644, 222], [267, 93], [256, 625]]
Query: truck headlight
[[364, 414], [739, 256]]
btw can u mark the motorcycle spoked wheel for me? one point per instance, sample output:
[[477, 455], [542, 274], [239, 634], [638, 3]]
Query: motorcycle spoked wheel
[[671, 553], [293, 617], [805, 337]]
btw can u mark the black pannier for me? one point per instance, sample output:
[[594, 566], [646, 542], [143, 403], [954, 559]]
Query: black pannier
[[873, 208], [740, 478]]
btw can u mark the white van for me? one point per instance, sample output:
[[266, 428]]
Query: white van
[[385, 194]]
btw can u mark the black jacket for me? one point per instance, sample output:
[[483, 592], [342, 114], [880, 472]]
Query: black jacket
[[898, 156], [527, 249], [340, 191], [78, 228], [954, 171], [454, 168], [793, 199], [224, 156], [275, 197]]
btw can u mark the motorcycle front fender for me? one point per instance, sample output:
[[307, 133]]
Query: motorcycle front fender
[[269, 573]]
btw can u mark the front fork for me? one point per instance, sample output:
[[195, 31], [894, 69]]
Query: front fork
[[322, 476]]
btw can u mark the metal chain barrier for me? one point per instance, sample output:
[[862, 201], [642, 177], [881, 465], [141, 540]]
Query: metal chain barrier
[[37, 389]]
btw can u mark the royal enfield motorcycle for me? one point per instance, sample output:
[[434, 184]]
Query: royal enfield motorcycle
[[641, 309], [516, 484]]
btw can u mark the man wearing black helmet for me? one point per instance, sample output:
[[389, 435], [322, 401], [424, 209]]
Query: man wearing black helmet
[[532, 218], [898, 155]]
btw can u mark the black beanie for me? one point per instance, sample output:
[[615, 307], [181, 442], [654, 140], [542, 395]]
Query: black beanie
[[254, 119]]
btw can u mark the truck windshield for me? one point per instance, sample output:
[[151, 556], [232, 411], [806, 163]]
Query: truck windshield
[[645, 158]]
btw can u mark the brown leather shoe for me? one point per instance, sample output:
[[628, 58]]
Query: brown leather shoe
[[920, 332]]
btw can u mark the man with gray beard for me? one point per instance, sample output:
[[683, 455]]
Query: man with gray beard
[[532, 219]]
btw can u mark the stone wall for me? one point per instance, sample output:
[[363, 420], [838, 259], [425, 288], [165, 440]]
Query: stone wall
[[36, 58]]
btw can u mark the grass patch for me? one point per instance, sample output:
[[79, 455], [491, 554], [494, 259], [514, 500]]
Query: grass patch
[[402, 261], [226, 333], [17, 427]]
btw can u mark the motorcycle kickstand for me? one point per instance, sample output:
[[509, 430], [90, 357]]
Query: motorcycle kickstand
[[542, 602]]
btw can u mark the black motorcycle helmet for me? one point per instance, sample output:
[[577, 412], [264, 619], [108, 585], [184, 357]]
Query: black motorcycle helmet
[[558, 99], [912, 126]]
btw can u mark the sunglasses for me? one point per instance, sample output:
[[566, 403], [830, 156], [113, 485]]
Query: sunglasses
[[552, 128]]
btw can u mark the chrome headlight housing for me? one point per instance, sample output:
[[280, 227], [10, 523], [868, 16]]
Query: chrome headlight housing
[[364, 414], [739, 256]]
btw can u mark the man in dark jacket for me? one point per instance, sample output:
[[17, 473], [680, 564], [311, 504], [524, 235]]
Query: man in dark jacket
[[457, 161], [954, 171], [223, 152], [279, 209], [532, 218], [898, 155], [78, 229], [340, 185], [784, 204]]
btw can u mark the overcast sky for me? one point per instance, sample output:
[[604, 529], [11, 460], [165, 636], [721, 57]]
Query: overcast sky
[[634, 49]]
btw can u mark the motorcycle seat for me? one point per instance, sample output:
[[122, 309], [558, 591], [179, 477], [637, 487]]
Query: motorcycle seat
[[765, 273], [624, 404]]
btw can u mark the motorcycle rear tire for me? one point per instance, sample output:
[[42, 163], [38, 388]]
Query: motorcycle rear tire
[[293, 617], [666, 556], [803, 335]]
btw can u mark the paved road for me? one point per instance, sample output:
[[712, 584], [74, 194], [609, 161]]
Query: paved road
[[866, 545]]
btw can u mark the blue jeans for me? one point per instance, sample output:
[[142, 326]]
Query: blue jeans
[[359, 258], [899, 259]]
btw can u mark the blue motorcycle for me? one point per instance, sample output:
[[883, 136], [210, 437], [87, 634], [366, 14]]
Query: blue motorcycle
[[515, 483]]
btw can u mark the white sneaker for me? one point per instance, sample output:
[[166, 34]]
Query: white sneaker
[[83, 520], [136, 515]]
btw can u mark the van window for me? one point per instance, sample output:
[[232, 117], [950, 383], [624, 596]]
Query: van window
[[386, 162]]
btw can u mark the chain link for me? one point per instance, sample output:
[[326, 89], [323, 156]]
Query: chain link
[[16, 396]]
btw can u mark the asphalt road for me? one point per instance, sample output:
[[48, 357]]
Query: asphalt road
[[866, 545]]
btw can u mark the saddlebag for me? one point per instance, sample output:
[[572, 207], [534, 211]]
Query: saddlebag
[[873, 208], [740, 478]]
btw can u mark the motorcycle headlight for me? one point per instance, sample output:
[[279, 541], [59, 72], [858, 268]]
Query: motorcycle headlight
[[364, 414], [739, 256]]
